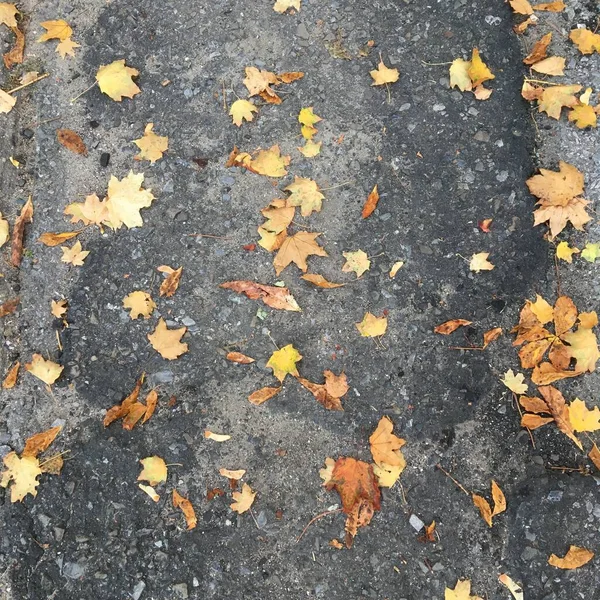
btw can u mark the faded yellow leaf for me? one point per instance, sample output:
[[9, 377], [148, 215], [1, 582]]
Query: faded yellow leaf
[[521, 7], [320, 281], [384, 444], [308, 119], [479, 262], [232, 474], [67, 48], [582, 418], [216, 437], [8, 14], [553, 65], [284, 361], [154, 470], [372, 326], [459, 75], [281, 6], [4, 235], [10, 380], [6, 102], [357, 262], [46, 370], [23, 472], [167, 342], [55, 239], [586, 41], [514, 588], [269, 163], [242, 109], [74, 255], [478, 70], [310, 149], [395, 268], [565, 252], [139, 304], [575, 557], [543, 311], [93, 210], [115, 80], [125, 199], [306, 194], [243, 500], [583, 116], [383, 75], [555, 97], [515, 383], [148, 489], [55, 30], [296, 249], [58, 308], [461, 591], [151, 146]]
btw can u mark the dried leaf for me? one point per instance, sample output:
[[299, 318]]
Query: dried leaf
[[23, 472], [395, 268], [594, 456], [152, 146], [71, 141], [139, 304], [559, 411], [93, 210], [450, 326], [67, 48], [330, 393], [553, 65], [320, 281], [9, 307], [521, 7], [243, 499], [242, 109], [55, 239], [479, 262], [383, 75], [310, 149], [238, 357], [151, 402], [498, 498], [555, 98], [305, 193], [478, 70], [10, 380], [308, 120], [515, 589], [260, 396], [125, 199], [586, 41], [565, 252], [55, 30], [58, 309], [574, 558], [187, 509], [25, 216], [8, 14], [557, 6], [275, 297], [357, 262], [15, 55], [296, 249], [6, 102], [167, 342], [582, 418], [372, 326], [514, 382], [40, 442], [115, 80], [232, 474], [284, 361], [216, 437], [4, 233], [75, 255], [583, 116], [154, 470], [491, 335], [384, 444], [538, 52], [281, 6], [462, 589], [148, 489], [121, 410], [371, 203], [484, 508], [43, 369], [171, 283], [459, 75]]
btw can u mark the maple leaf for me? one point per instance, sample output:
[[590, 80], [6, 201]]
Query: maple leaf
[[140, 304], [268, 162], [296, 249], [74, 255], [55, 30], [92, 211], [385, 445], [154, 470], [115, 80], [557, 407], [152, 146], [242, 109], [279, 215], [521, 7], [383, 75], [216, 437], [356, 261], [515, 589], [258, 81], [23, 472], [450, 326], [25, 216], [479, 262], [55, 239], [10, 380], [515, 383], [306, 194], [459, 75], [371, 203], [67, 48], [284, 361], [574, 558], [586, 41], [320, 281], [171, 282], [4, 234], [462, 589], [538, 52], [565, 252], [310, 149], [58, 309], [583, 347], [330, 393], [8, 14], [260, 396], [6, 102], [238, 357], [308, 119], [125, 199], [243, 499], [582, 418], [372, 326], [167, 342], [281, 6], [555, 97], [583, 115], [355, 482], [43, 369], [275, 297], [187, 509]]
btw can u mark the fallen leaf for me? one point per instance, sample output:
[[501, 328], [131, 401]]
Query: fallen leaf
[[284, 361], [279, 215], [357, 262], [151, 401], [67, 48], [74, 255], [330, 393], [484, 508], [459, 75], [555, 98], [371, 203], [167, 342], [8, 14], [515, 383], [55, 239], [23, 472], [260, 396], [71, 141], [372, 326], [539, 50], [491, 335], [243, 500], [479, 262], [242, 109], [186, 507], [148, 489], [268, 162], [92, 211], [557, 6], [310, 149], [171, 283], [583, 347], [25, 216], [320, 281], [485, 225], [275, 297], [154, 470], [591, 252], [115, 80], [213, 493], [10, 380], [582, 418], [583, 116], [281, 6], [232, 474], [122, 410], [586, 41], [216, 437], [58, 308], [574, 558], [336, 544], [139, 304], [152, 146], [594, 456], [305, 193], [385, 445], [46, 370], [4, 234], [125, 199], [9, 307], [296, 249], [554, 65], [521, 7], [383, 75], [15, 55], [450, 326], [478, 70], [482, 93], [40, 442], [429, 534], [565, 252], [238, 357], [395, 268], [6, 102], [308, 120], [559, 411], [498, 498], [55, 30], [515, 589]]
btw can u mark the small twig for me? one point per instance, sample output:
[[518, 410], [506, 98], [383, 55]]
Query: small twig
[[20, 87], [557, 275], [38, 123], [528, 80], [254, 518], [466, 348], [84, 92], [460, 487], [224, 97], [430, 64], [174, 465], [50, 458], [319, 516], [333, 187]]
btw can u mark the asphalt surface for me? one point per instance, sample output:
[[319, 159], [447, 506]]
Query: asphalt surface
[[442, 160]]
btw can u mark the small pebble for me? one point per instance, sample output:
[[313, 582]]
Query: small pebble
[[104, 159]]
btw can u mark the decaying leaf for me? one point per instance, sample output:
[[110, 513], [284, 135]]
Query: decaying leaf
[[308, 120], [154, 470], [515, 383], [275, 297], [9, 307], [296, 249], [484, 507], [121, 410], [320, 281], [385, 449], [371, 203], [284, 361], [186, 508], [273, 232], [269, 162], [71, 141], [10, 380], [75, 255], [15, 55], [479, 262], [281, 6], [7, 102], [305, 193], [216, 437], [152, 146], [55, 239], [450, 326], [491, 335], [574, 558], [148, 489], [331, 392], [594, 456], [8, 14], [582, 418], [139, 304], [167, 342], [259, 83], [383, 75], [554, 98], [92, 211], [539, 50], [243, 500], [260, 396], [4, 233], [514, 588], [372, 326], [553, 65], [470, 75], [171, 282], [25, 216], [238, 357], [357, 262], [242, 109], [46, 370], [310, 149], [238, 474], [115, 80], [58, 308], [461, 591]]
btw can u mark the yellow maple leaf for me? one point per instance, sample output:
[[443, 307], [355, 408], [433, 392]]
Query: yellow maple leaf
[[243, 499], [74, 255], [140, 304], [167, 342], [461, 591], [67, 48], [273, 231], [553, 65], [154, 470], [125, 199], [305, 193], [151, 146], [383, 74], [308, 119], [557, 215], [480, 262], [282, 5], [583, 347], [591, 252], [372, 326], [586, 41], [58, 309], [310, 149], [541, 309], [555, 97], [582, 418], [23, 472], [515, 383], [356, 261], [565, 252], [242, 109], [55, 30], [93, 210], [115, 80], [269, 162], [284, 361], [583, 115], [8, 14], [296, 249], [385, 445], [387, 475], [257, 81], [46, 370], [478, 70], [459, 75]]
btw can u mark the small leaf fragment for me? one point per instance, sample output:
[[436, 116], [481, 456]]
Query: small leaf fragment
[[186, 507], [71, 141], [238, 357], [243, 500], [574, 558], [372, 326], [371, 203], [216, 437], [260, 396], [46, 370], [320, 281], [450, 326], [154, 470], [10, 380], [167, 342]]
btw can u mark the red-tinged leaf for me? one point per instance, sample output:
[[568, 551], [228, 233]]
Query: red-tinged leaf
[[275, 297], [485, 225], [238, 357], [371, 203], [259, 396], [450, 326], [9, 307], [71, 141]]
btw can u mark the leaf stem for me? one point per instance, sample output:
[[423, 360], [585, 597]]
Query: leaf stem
[[20, 87]]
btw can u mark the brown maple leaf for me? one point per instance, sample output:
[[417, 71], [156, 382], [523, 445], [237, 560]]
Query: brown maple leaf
[[296, 249], [275, 297], [330, 393]]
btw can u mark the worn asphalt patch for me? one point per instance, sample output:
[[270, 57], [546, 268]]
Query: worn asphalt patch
[[442, 160]]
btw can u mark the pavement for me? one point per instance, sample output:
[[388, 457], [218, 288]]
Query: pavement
[[442, 161]]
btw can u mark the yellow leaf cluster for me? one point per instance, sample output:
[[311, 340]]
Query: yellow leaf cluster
[[470, 75]]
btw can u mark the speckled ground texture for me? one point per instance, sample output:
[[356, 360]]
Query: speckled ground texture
[[442, 161]]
